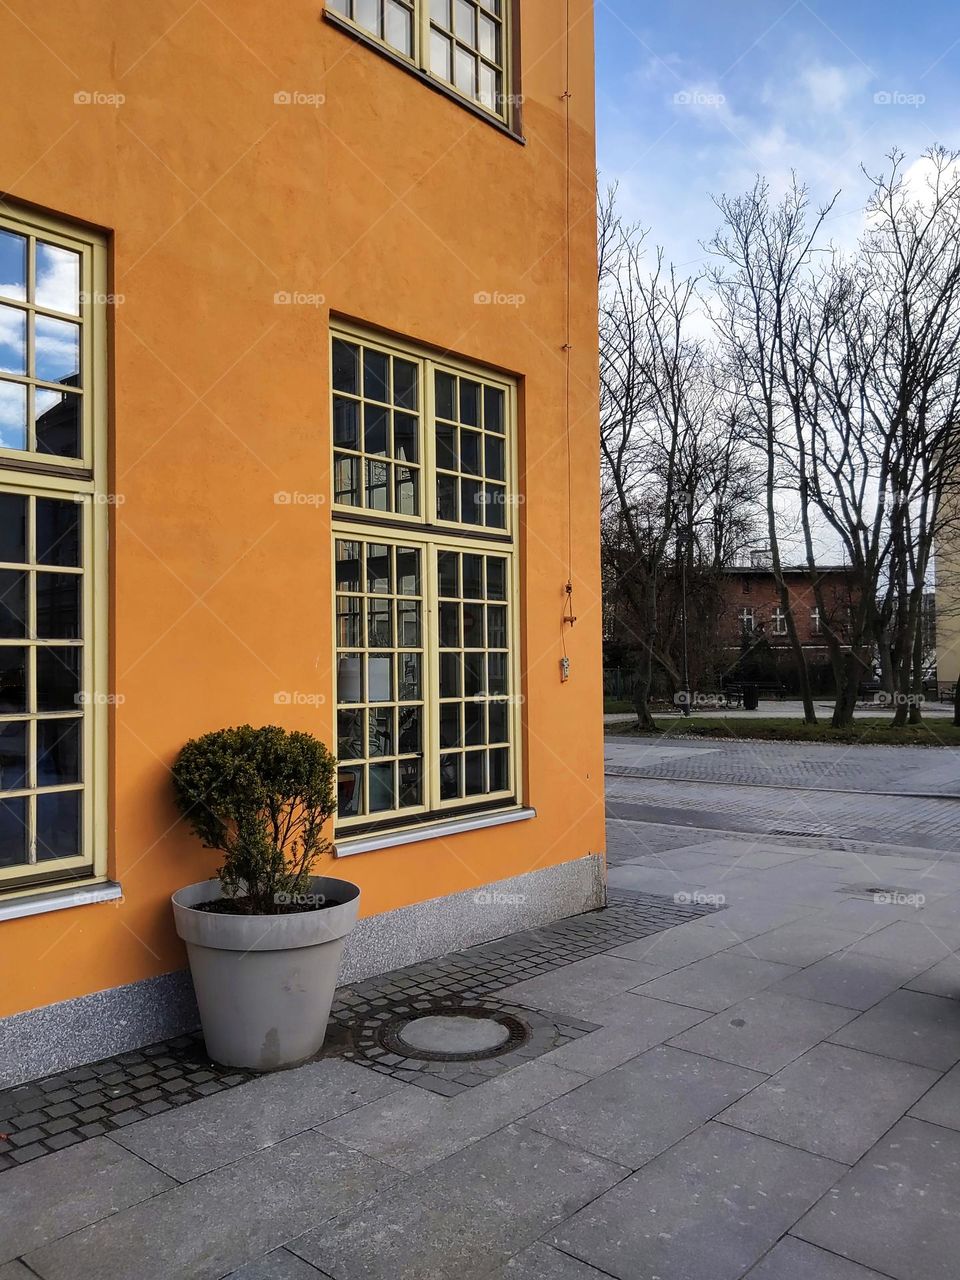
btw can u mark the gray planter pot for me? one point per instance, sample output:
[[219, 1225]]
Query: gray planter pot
[[265, 984]]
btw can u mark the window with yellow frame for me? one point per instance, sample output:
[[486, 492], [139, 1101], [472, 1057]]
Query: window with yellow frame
[[52, 552], [465, 44], [425, 584]]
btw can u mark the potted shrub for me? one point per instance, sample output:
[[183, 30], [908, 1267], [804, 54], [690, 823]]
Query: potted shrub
[[265, 938]]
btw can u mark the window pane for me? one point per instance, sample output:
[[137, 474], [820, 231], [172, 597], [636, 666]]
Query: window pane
[[13, 528], [376, 375], [496, 626], [13, 832], [58, 532], [405, 431], [350, 792], [13, 603], [473, 577], [346, 423], [408, 571], [58, 278], [440, 12], [377, 490], [13, 755], [469, 402], [13, 679], [489, 92], [448, 457], [58, 678], [410, 688], [409, 731], [348, 566], [405, 382], [448, 564], [58, 752], [381, 732], [493, 410], [471, 502], [449, 626], [58, 825], [367, 14], [488, 38], [346, 480], [470, 452], [411, 783], [58, 606], [408, 624], [465, 72], [348, 622], [497, 717], [450, 675], [380, 625], [497, 667], [346, 365], [474, 682], [464, 21], [450, 777], [446, 387], [379, 577], [380, 679], [13, 416], [57, 422], [495, 506], [499, 770], [450, 724], [496, 578], [13, 340], [474, 726], [376, 429], [474, 773], [447, 490], [399, 27], [351, 742], [493, 451], [407, 496], [13, 265], [382, 795], [440, 53], [350, 678], [58, 351]]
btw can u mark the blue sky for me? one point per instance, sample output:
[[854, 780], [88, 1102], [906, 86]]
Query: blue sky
[[696, 96]]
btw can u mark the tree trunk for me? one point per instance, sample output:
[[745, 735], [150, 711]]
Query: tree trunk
[[847, 689], [641, 691]]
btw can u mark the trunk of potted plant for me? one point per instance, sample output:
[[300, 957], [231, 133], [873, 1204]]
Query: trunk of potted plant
[[265, 939]]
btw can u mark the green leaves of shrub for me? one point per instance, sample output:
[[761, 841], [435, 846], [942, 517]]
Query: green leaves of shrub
[[262, 797]]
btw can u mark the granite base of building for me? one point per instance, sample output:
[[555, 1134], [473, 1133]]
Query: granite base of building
[[88, 1028]]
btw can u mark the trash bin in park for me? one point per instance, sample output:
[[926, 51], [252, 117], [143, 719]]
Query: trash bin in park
[[751, 697]]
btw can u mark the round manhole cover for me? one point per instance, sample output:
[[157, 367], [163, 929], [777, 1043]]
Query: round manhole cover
[[452, 1035]]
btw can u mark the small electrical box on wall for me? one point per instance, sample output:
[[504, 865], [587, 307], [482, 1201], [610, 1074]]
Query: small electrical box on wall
[[564, 670]]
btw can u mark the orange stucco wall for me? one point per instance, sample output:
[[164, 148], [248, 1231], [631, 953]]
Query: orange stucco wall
[[397, 206]]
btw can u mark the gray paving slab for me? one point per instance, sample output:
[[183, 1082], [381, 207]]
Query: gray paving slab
[[745, 920], [540, 1262], [15, 1271], [464, 1216], [833, 1102], [643, 1023], [942, 979], [209, 1227], [415, 1129], [60, 1193], [707, 1209], [918, 943], [634, 1112], [716, 982], [674, 948], [216, 1131], [911, 1026], [575, 987], [796, 1260], [802, 943], [278, 1265], [897, 1210], [855, 982], [765, 1031], [942, 1104]]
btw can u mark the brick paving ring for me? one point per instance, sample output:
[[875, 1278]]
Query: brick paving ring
[[460, 1034]]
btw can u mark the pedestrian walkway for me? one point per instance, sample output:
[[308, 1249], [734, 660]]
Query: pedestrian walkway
[[768, 1089]]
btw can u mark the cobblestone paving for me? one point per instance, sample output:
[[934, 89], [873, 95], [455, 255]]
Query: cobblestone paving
[[72, 1106], [884, 770]]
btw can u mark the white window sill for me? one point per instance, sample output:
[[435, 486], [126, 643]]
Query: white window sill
[[346, 848], [59, 900]]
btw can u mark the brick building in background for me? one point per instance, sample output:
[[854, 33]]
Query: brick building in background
[[754, 624]]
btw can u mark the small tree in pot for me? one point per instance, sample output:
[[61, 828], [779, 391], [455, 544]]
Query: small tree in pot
[[266, 937], [262, 798]]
